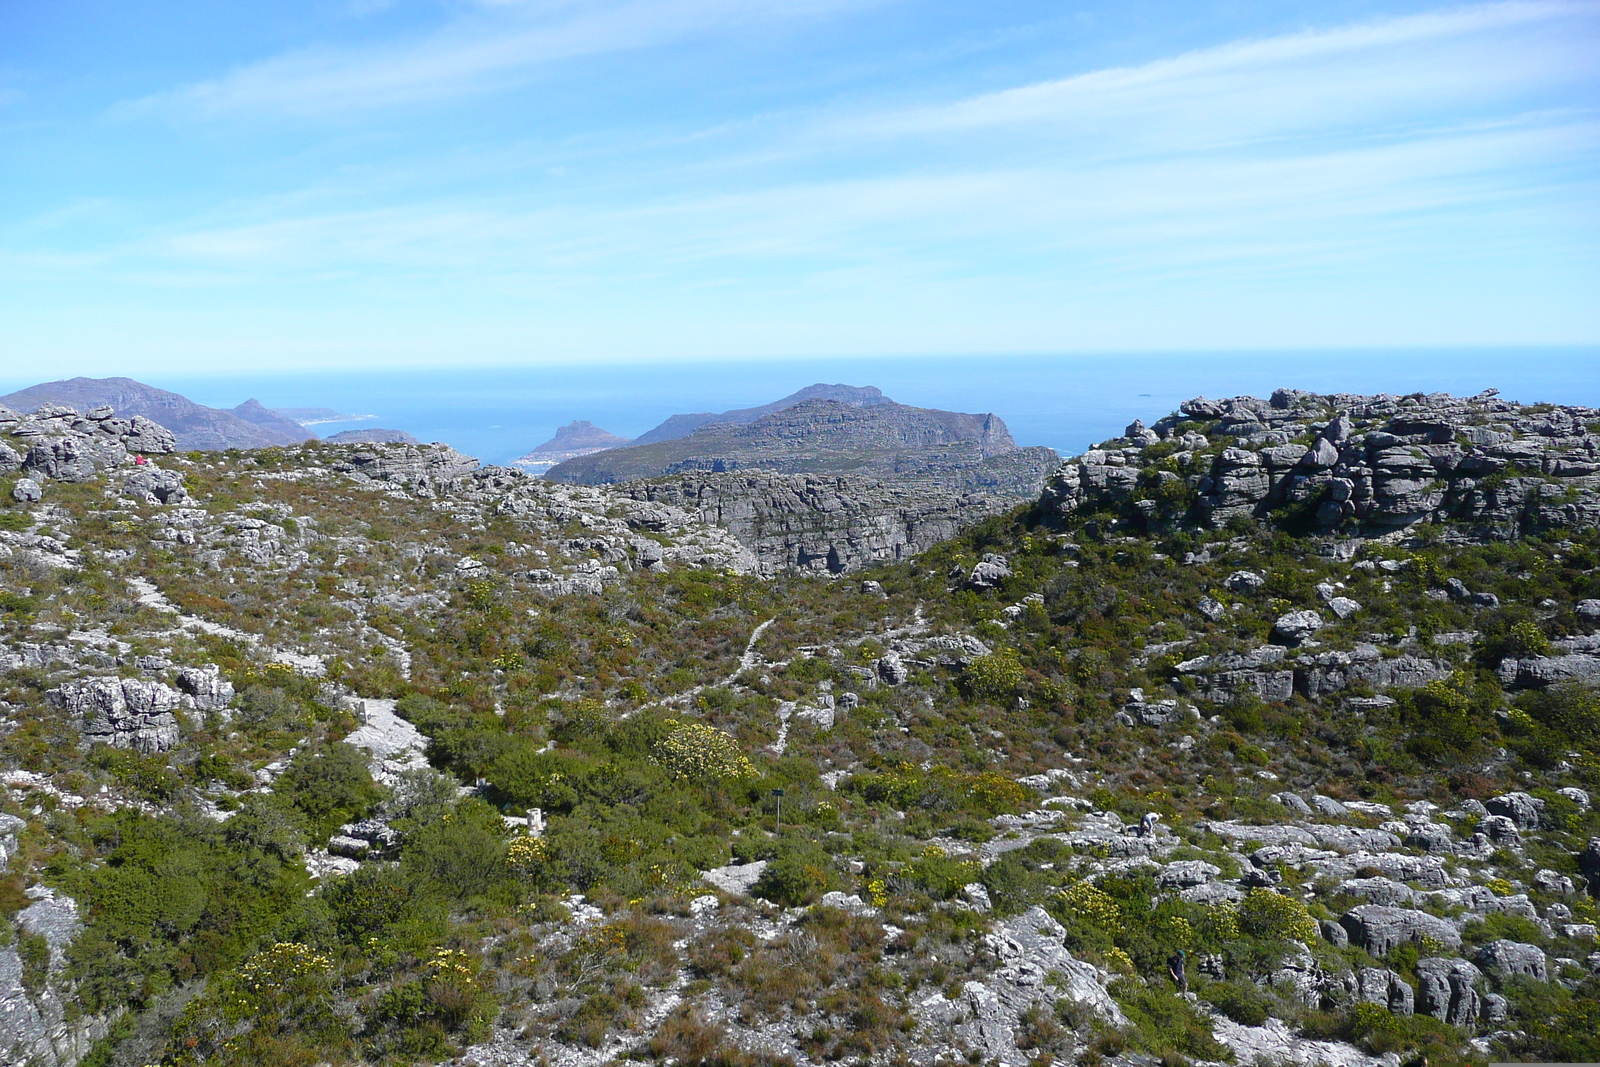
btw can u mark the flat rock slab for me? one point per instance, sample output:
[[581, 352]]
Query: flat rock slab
[[735, 878], [393, 743]]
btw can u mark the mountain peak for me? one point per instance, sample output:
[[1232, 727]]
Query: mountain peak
[[683, 425]]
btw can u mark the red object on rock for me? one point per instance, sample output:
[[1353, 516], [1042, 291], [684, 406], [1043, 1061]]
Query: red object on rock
[[139, 460]]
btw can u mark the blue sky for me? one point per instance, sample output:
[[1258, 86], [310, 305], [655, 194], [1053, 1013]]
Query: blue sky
[[309, 184]]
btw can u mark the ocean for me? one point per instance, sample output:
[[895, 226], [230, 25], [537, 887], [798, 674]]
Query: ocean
[[1065, 402]]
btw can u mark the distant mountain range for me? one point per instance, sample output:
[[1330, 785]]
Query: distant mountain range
[[873, 437], [250, 425], [584, 438], [683, 425]]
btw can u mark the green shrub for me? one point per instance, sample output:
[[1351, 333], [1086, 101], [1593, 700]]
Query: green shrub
[[34, 950], [462, 856], [329, 784], [1164, 1023], [1239, 1000], [799, 874], [994, 677]]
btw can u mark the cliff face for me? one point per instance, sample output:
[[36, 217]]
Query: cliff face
[[1363, 464], [822, 524]]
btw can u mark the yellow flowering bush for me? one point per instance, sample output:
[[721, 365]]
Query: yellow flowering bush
[[275, 980], [1221, 922], [527, 856], [700, 753], [1088, 904], [1268, 914]]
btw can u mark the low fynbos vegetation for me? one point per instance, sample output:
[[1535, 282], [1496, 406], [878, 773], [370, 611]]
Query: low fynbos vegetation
[[1110, 738]]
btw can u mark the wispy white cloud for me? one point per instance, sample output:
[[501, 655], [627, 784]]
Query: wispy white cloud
[[473, 53], [1143, 214], [1377, 157], [1359, 73]]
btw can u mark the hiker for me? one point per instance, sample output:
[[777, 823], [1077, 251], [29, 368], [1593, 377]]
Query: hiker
[[139, 460], [1175, 968], [1147, 825]]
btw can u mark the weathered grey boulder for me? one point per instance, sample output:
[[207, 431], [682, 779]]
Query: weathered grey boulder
[[1508, 958], [1224, 677], [1381, 462], [1150, 713], [1030, 947], [10, 827], [1326, 805], [1379, 890], [892, 669], [154, 485], [1549, 881], [424, 469], [1293, 801], [1429, 837], [1343, 606], [1539, 672], [374, 832], [1374, 985], [1522, 809], [1588, 610], [1184, 873], [1380, 929], [1429, 871], [1294, 627], [210, 690], [1244, 581], [989, 572], [1447, 990], [349, 847], [122, 712], [27, 491], [1354, 838], [1501, 829]]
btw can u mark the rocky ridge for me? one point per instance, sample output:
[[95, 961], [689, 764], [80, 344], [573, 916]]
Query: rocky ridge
[[194, 426], [682, 425], [1370, 464], [917, 446]]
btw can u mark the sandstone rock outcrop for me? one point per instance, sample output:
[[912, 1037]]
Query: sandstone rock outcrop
[[1368, 463], [58, 443], [122, 712], [1379, 929]]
